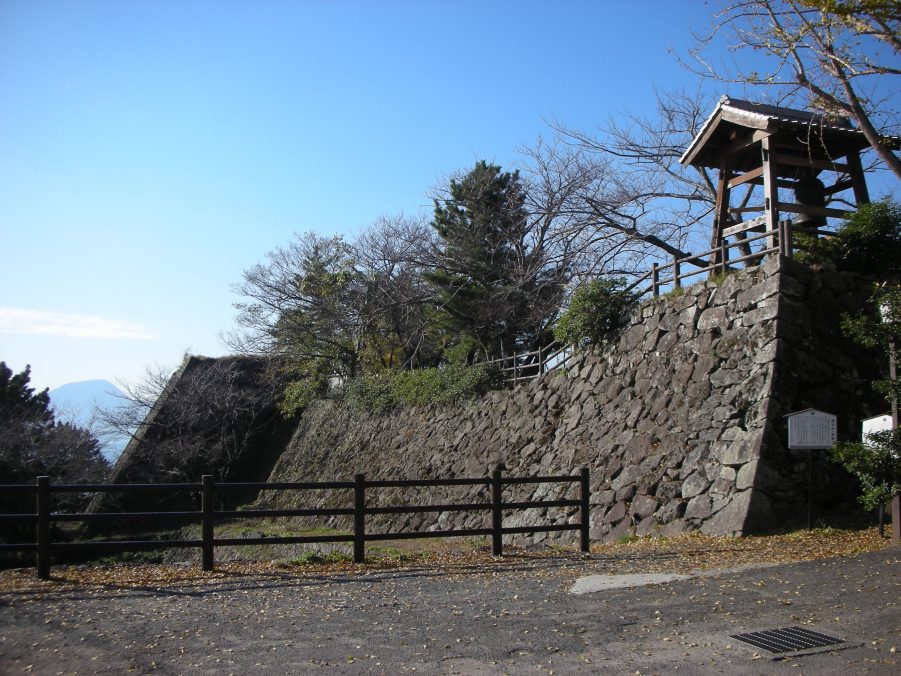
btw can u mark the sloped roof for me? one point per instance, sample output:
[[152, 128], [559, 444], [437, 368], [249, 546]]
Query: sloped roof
[[731, 115]]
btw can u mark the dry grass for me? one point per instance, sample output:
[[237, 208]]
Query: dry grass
[[691, 552]]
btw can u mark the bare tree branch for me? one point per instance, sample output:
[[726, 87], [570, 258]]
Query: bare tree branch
[[843, 57]]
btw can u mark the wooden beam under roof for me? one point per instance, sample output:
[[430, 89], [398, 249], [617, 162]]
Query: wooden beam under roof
[[793, 161], [744, 143], [699, 144]]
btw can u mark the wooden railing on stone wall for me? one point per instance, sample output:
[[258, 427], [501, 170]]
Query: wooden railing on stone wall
[[523, 366], [669, 276]]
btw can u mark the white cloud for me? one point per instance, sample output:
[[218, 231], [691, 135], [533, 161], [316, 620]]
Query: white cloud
[[41, 323]]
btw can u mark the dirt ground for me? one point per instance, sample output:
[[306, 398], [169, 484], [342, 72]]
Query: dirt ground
[[463, 611]]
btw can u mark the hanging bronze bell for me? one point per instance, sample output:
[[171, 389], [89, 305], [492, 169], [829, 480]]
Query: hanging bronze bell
[[810, 192]]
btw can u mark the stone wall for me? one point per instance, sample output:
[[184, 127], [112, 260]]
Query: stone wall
[[680, 421]]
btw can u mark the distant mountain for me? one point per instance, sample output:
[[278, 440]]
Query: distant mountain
[[76, 403]]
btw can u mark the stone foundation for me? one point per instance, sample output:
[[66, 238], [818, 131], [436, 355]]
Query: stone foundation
[[680, 421]]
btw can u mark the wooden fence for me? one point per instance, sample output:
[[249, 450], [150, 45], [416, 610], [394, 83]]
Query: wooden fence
[[781, 241], [670, 276], [208, 515], [522, 366]]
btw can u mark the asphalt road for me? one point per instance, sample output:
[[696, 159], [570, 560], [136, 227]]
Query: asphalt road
[[517, 616]]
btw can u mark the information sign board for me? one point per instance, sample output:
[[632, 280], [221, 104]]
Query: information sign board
[[811, 429], [880, 423]]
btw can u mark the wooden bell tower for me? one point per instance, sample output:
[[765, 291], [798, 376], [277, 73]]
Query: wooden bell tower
[[758, 150]]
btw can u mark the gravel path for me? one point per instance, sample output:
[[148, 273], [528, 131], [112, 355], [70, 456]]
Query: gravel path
[[515, 616]]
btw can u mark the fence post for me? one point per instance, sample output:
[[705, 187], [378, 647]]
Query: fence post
[[207, 505], [724, 256], [655, 279], [780, 244], [43, 527], [497, 514], [359, 518], [584, 507], [677, 282], [787, 234]]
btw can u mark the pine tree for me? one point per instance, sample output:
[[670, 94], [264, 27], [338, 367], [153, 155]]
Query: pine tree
[[490, 286]]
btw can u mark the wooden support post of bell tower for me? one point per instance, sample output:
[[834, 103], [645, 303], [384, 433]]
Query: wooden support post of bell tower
[[770, 188], [721, 213]]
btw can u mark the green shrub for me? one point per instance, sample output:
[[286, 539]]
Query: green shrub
[[460, 352], [879, 329], [869, 241], [384, 391], [599, 309], [298, 394], [876, 463]]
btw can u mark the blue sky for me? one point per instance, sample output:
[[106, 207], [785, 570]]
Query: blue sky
[[150, 151]]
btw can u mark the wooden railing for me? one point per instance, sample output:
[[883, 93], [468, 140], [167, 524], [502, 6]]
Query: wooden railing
[[522, 366], [670, 276], [208, 516]]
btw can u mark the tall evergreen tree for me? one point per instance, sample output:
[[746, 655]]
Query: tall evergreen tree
[[493, 287]]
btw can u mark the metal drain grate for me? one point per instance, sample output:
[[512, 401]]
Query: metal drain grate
[[787, 639]]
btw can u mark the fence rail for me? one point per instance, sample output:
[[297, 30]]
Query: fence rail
[[208, 515], [779, 241], [671, 275], [523, 366]]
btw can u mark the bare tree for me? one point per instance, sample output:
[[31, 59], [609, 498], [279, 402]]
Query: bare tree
[[842, 57], [612, 199], [205, 418], [308, 309], [391, 255]]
